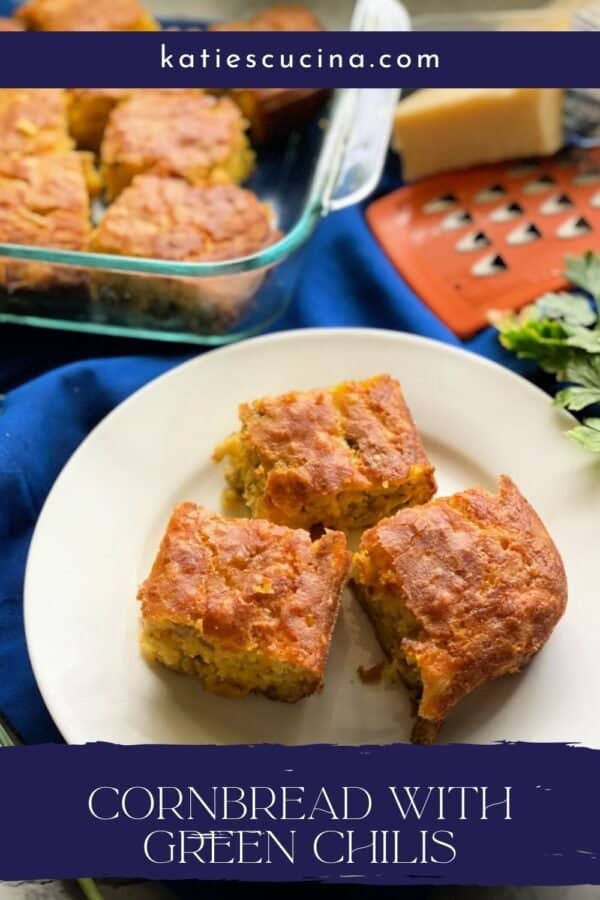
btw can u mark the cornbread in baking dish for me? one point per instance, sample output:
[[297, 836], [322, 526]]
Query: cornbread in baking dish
[[341, 457], [168, 218], [33, 121], [197, 136], [279, 17], [274, 111], [461, 590], [81, 15], [243, 605], [43, 201], [89, 109]]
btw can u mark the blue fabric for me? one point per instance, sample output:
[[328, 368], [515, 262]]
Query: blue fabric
[[344, 280]]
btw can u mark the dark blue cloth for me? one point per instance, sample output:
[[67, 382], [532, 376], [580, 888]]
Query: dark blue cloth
[[344, 280]]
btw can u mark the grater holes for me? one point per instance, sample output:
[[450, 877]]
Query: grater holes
[[574, 227], [476, 240], [506, 212], [588, 176], [523, 234], [557, 204], [490, 265], [490, 194], [458, 219], [539, 185], [440, 204]]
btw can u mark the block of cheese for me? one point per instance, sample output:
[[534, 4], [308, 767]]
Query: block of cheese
[[441, 129]]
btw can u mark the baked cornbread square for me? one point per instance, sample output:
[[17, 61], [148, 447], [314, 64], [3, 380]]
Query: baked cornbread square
[[274, 111], [187, 133], [43, 201], [81, 15], [341, 457], [9, 25], [460, 591], [168, 218], [89, 109], [243, 605], [33, 121]]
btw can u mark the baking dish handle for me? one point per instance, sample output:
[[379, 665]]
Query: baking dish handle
[[362, 118]]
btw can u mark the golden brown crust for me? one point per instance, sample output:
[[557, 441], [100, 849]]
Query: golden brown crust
[[89, 109], [43, 201], [167, 218], [481, 577], [248, 585], [274, 111], [10, 25], [186, 133], [33, 121], [285, 17], [81, 15], [324, 447], [280, 17]]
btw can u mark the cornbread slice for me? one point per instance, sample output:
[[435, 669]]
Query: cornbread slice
[[33, 121], [461, 590], [43, 201], [274, 111], [243, 605], [187, 133], [168, 218], [81, 15], [89, 109], [341, 457], [9, 25]]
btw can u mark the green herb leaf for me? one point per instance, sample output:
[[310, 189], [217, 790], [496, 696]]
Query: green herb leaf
[[561, 332], [584, 271], [543, 340], [584, 368], [571, 308], [583, 338], [577, 398], [587, 435]]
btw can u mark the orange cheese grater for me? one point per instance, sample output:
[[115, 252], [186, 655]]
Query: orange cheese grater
[[492, 237]]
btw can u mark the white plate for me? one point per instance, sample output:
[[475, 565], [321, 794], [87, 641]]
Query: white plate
[[102, 522]]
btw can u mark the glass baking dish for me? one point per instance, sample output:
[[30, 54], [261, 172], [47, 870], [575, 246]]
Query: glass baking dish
[[325, 166]]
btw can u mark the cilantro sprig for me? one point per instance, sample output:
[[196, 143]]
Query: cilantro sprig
[[561, 332]]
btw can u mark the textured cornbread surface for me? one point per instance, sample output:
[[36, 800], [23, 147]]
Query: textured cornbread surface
[[9, 25], [460, 591], [274, 111], [43, 201], [33, 121], [89, 109], [168, 218], [81, 15], [242, 604], [197, 136], [279, 17], [341, 457]]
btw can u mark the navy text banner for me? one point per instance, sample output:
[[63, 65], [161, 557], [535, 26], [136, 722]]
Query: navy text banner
[[455, 814], [293, 59]]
